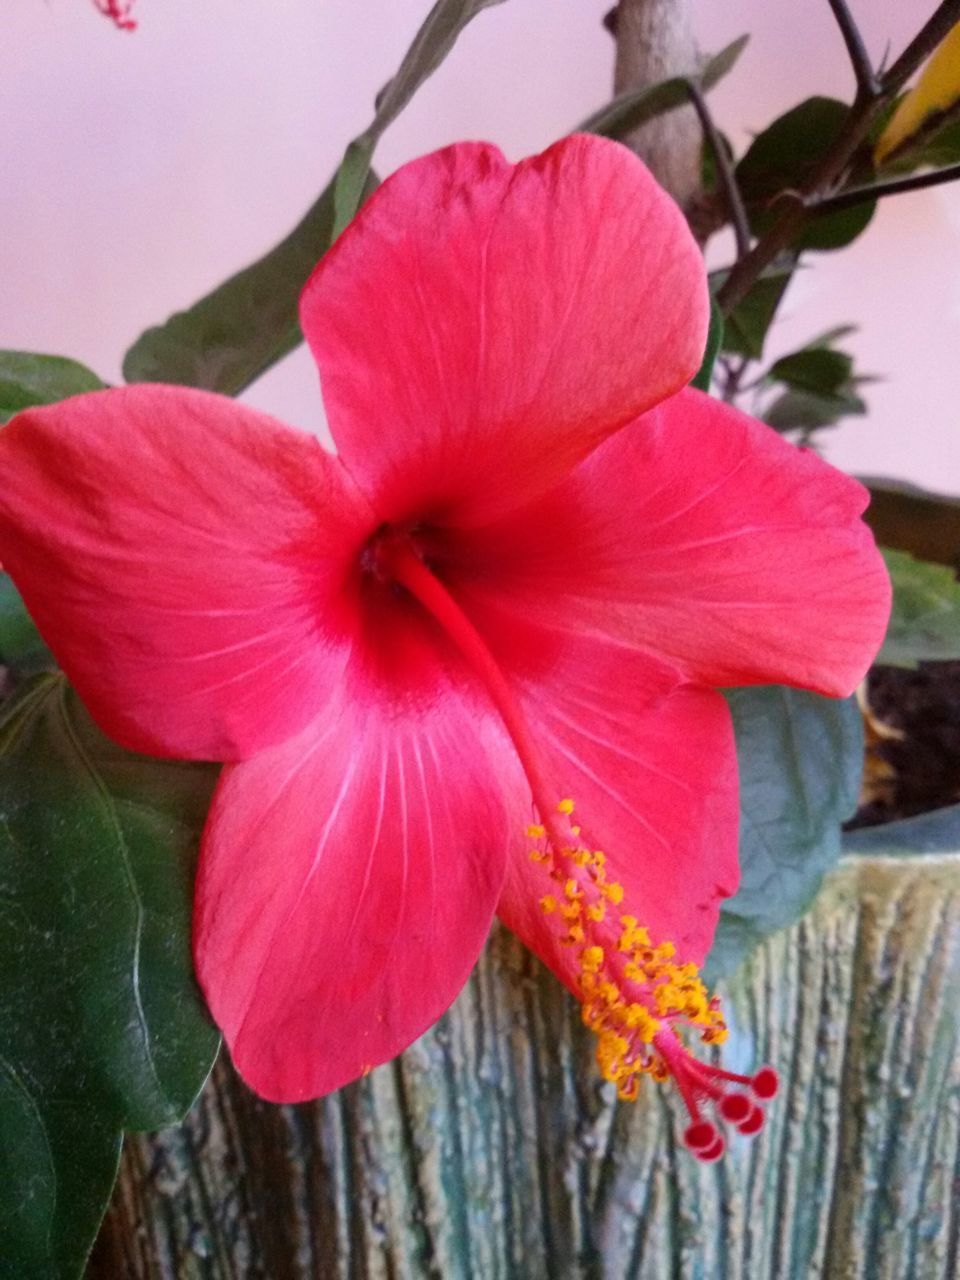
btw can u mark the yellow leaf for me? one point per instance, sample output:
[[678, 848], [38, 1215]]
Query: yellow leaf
[[937, 90]]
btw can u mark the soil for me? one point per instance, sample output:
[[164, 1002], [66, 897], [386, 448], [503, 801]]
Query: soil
[[913, 735]]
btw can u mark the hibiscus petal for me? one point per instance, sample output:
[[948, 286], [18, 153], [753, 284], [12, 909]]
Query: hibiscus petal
[[702, 536], [650, 763], [347, 883], [184, 558], [480, 326]]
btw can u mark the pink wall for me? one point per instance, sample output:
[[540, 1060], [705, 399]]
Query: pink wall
[[140, 170]]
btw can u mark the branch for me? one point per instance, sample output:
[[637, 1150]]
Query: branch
[[728, 180], [868, 85], [654, 42], [877, 190], [946, 16], [862, 115]]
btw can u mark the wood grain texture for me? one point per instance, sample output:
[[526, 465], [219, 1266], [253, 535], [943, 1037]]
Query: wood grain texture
[[654, 42], [491, 1150]]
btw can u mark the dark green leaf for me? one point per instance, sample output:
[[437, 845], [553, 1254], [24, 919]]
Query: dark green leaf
[[925, 622], [801, 758], [27, 379], [911, 519], [628, 111], [234, 334], [817, 368], [714, 339], [783, 158], [103, 1027], [745, 328], [935, 832], [808, 411], [436, 37], [22, 649]]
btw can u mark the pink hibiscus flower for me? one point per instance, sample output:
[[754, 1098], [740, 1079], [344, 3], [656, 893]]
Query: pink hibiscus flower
[[532, 560]]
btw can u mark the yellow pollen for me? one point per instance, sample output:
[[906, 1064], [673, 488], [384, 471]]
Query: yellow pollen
[[631, 987]]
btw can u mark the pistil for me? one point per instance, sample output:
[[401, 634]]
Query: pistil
[[636, 994]]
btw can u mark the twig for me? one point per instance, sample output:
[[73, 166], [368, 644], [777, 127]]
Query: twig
[[728, 180], [944, 17], [868, 85], [863, 113], [877, 190]]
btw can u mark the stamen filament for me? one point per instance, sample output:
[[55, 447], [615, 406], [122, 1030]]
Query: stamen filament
[[635, 993], [406, 568]]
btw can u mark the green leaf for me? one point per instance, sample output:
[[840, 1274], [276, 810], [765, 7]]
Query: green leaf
[[800, 758], [22, 649], [28, 379], [942, 149], [714, 339], [628, 111], [783, 158], [911, 519], [231, 336], [926, 833], [821, 387], [234, 334], [820, 369], [925, 621], [810, 411], [745, 327], [436, 37], [103, 1027]]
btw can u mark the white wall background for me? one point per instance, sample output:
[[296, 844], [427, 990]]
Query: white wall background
[[139, 170]]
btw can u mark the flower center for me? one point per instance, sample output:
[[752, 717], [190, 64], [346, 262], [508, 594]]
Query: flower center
[[635, 994]]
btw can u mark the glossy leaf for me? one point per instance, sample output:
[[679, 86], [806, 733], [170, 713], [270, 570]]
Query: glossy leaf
[[234, 334], [801, 758], [925, 622], [22, 649], [630, 110], [819, 369], [714, 340], [103, 1027], [783, 157], [27, 378], [745, 327], [436, 37]]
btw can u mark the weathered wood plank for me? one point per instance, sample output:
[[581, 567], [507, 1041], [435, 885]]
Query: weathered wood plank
[[492, 1150]]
